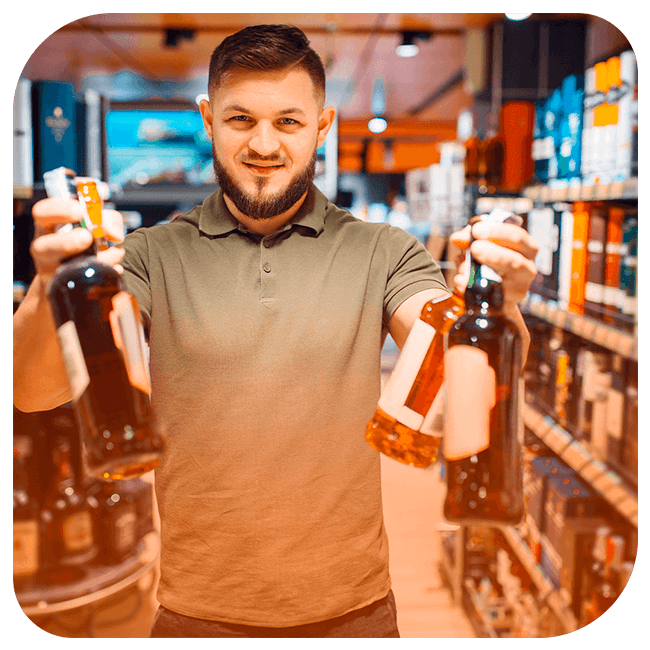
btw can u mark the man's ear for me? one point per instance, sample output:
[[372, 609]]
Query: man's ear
[[325, 122], [206, 114]]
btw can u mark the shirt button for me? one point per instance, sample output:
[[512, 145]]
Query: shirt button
[[267, 243], [267, 267]]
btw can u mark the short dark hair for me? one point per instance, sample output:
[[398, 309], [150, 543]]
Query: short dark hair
[[266, 47]]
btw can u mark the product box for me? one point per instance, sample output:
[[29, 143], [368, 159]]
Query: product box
[[543, 229], [630, 440], [23, 175], [595, 280], [604, 129], [542, 142], [54, 127], [576, 545], [612, 296], [579, 259], [615, 410], [542, 468], [553, 118], [625, 92], [592, 368], [565, 251], [569, 151], [628, 306], [567, 497], [590, 99]]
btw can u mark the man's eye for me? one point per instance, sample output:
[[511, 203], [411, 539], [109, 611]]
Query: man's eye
[[288, 121], [239, 118]]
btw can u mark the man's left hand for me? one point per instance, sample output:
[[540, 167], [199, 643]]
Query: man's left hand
[[504, 247]]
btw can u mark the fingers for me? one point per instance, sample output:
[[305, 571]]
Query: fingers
[[113, 225], [48, 250], [112, 256], [503, 234], [507, 235], [52, 212], [506, 248]]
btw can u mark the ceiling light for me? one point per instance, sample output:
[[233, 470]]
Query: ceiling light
[[377, 125], [407, 47], [517, 17]]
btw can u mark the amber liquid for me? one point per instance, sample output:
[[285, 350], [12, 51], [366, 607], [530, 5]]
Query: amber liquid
[[384, 433], [115, 421]]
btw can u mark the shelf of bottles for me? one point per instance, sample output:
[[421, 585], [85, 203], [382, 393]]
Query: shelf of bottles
[[577, 188], [76, 540]]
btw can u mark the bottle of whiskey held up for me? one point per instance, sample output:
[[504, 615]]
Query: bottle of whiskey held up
[[483, 428], [403, 426], [406, 424], [102, 342]]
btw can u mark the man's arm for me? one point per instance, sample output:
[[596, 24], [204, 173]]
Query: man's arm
[[39, 379], [408, 312], [40, 382]]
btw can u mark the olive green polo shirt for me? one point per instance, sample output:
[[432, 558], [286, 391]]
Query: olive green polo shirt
[[265, 370]]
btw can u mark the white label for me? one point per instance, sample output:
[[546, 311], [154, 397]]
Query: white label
[[129, 338], [409, 362], [125, 529], [471, 395], [594, 292], [73, 358]]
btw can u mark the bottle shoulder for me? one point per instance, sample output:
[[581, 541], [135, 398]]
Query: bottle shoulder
[[87, 269], [485, 323]]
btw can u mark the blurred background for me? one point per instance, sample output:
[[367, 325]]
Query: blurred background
[[439, 117]]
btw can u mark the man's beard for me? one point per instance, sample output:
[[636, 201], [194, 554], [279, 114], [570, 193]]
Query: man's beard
[[256, 206]]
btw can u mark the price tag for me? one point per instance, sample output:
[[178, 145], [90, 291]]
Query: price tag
[[575, 191], [587, 192], [602, 191], [616, 189], [576, 456]]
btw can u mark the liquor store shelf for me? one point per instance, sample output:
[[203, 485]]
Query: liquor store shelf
[[578, 191], [546, 591], [590, 329], [592, 470], [101, 582]]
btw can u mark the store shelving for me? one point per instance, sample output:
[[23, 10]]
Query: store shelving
[[579, 191]]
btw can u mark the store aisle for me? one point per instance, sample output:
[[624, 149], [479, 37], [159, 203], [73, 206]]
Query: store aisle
[[412, 509]]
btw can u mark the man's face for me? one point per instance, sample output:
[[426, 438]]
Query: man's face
[[265, 129]]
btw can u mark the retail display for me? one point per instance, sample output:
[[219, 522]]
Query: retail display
[[542, 498]]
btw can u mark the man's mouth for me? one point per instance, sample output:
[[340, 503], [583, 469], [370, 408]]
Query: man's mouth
[[262, 168]]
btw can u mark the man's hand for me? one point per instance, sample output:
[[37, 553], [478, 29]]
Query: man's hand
[[49, 247], [504, 247], [510, 251], [40, 381]]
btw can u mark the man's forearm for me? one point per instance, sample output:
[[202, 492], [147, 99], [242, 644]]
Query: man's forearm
[[40, 381]]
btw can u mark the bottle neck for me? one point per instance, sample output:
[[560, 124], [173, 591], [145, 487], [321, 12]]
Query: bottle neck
[[64, 473], [484, 288], [91, 251]]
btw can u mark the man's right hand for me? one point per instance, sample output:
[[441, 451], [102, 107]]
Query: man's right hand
[[49, 247], [40, 381]]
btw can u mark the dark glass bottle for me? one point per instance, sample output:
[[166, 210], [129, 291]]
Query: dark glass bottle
[[68, 515], [102, 342], [118, 522], [483, 423], [26, 520]]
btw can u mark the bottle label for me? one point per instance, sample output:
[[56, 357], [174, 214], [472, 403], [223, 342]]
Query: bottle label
[[77, 531], [129, 338], [125, 529], [471, 395], [73, 358], [25, 548], [409, 362]]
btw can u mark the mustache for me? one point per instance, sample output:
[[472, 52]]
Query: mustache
[[263, 159]]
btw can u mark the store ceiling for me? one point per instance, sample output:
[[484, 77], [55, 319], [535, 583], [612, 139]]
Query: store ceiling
[[357, 48]]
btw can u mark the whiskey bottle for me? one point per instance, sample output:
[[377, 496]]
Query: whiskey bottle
[[102, 342], [68, 515], [26, 520], [404, 426], [483, 434], [118, 522]]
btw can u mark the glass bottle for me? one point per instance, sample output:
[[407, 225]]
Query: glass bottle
[[483, 435], [68, 516], [26, 520], [118, 521], [102, 342], [404, 426]]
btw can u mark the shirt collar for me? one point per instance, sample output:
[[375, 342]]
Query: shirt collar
[[216, 219]]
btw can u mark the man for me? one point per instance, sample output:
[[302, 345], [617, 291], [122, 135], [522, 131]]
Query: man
[[266, 309]]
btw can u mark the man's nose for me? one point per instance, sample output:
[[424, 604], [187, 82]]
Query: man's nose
[[264, 140]]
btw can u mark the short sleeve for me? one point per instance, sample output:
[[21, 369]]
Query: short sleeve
[[136, 273], [411, 270]]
